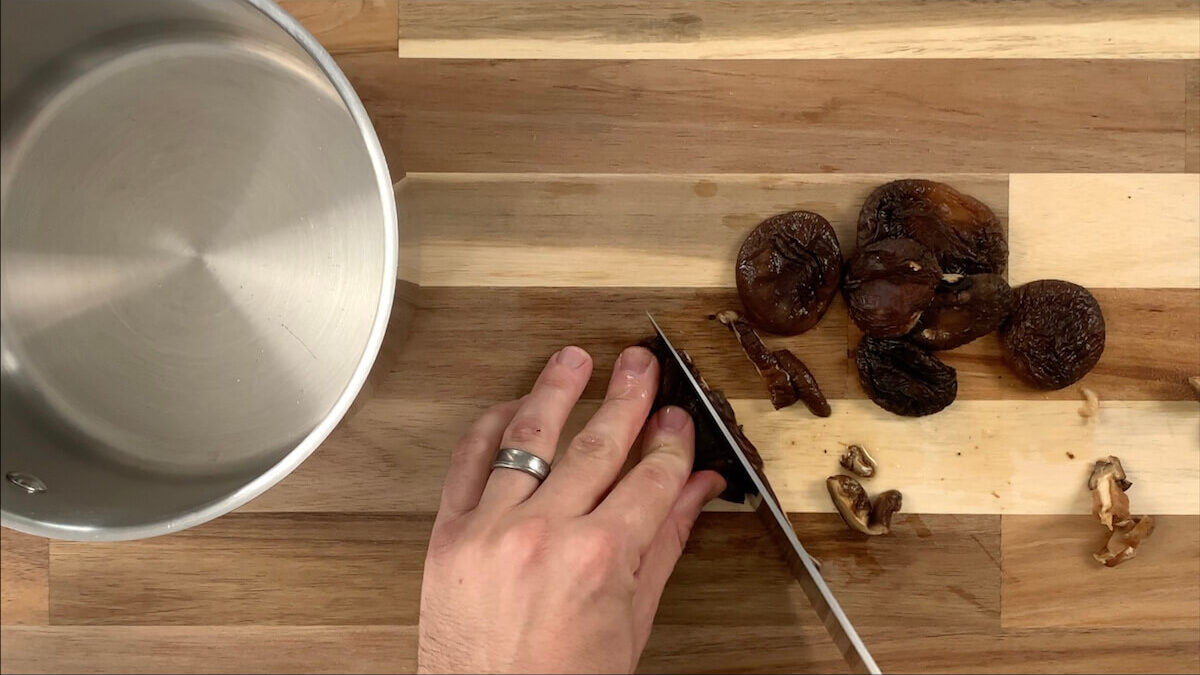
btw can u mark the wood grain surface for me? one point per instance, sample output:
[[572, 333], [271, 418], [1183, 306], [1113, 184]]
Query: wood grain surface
[[568, 166]]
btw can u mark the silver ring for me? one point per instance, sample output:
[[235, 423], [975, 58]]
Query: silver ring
[[516, 458]]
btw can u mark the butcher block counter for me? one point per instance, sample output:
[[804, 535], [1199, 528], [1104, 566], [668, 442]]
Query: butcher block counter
[[564, 167]]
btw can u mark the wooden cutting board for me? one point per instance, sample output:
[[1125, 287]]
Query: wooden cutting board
[[565, 167]]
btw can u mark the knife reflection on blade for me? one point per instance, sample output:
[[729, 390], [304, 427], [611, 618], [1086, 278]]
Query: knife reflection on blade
[[766, 505]]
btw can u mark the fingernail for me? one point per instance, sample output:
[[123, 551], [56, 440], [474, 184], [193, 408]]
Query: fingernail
[[572, 357], [636, 359], [673, 418]]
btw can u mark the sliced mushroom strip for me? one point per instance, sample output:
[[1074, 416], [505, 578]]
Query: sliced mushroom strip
[[788, 379]]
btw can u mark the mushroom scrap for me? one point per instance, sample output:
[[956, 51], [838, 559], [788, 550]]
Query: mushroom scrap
[[857, 460], [1111, 505], [856, 509]]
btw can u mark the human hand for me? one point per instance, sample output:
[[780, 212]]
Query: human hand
[[564, 576]]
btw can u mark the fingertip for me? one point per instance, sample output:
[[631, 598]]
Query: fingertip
[[673, 419], [715, 482], [573, 357]]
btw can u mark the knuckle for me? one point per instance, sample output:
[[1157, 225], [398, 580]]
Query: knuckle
[[597, 553], [525, 430], [445, 541], [474, 442], [658, 473], [525, 540], [591, 443], [559, 378]]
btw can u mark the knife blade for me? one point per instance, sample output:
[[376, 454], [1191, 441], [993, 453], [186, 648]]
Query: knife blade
[[769, 511]]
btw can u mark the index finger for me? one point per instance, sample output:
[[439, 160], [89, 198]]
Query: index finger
[[640, 503]]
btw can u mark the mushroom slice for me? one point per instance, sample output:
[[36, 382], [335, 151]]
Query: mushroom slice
[[855, 508], [886, 503], [851, 502], [1108, 485], [788, 379], [1122, 544], [857, 460]]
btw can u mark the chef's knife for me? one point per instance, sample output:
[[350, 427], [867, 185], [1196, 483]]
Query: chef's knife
[[771, 513]]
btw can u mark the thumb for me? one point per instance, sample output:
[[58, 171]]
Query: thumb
[[659, 560]]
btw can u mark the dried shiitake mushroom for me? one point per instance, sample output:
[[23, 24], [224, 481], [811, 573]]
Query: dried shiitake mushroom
[[711, 447], [788, 379], [788, 271], [888, 284], [1055, 334], [856, 509], [961, 231], [903, 378], [857, 460], [963, 308]]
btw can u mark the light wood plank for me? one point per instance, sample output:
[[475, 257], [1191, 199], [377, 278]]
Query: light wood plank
[[799, 29], [285, 569], [913, 116], [348, 26], [209, 649], [911, 649], [623, 230], [1051, 580], [24, 581], [1013, 453], [1106, 230], [980, 457], [490, 343]]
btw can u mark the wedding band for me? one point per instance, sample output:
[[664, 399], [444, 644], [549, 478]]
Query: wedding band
[[516, 458]]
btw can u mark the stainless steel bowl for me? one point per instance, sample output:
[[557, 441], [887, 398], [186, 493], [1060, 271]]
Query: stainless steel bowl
[[198, 259]]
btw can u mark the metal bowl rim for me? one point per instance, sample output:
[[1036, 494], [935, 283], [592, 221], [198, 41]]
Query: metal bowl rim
[[309, 444]]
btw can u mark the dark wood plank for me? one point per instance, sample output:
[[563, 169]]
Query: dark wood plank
[[1191, 162], [458, 333], [285, 569], [911, 649], [1149, 353], [940, 572], [913, 116], [1051, 580], [209, 649], [24, 581]]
